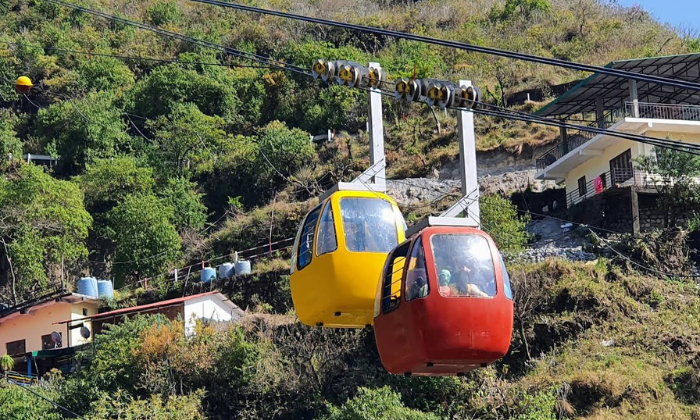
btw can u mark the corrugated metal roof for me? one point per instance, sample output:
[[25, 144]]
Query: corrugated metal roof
[[615, 91], [143, 308]]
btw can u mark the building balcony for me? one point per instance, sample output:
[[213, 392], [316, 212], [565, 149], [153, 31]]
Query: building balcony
[[576, 148], [620, 178]]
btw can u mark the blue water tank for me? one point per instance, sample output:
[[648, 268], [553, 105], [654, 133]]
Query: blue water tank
[[105, 290], [208, 274], [226, 271], [87, 286], [242, 268]]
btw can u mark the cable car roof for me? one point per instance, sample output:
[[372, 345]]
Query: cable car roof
[[379, 189], [440, 221]]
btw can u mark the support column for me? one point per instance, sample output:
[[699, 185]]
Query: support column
[[375, 124], [599, 112], [564, 139], [634, 98], [634, 198], [467, 161]]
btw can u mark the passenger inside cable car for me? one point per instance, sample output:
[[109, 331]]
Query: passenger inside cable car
[[338, 255], [456, 313]]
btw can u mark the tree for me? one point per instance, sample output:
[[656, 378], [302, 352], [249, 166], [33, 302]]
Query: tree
[[526, 7], [43, 223], [155, 407], [188, 211], [673, 175], [145, 240], [287, 150], [82, 130], [20, 404], [174, 85], [6, 363], [103, 74], [376, 404], [186, 137], [10, 145], [499, 217], [107, 182]]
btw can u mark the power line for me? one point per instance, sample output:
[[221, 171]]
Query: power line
[[670, 144], [227, 50], [285, 66], [525, 117], [64, 409], [640, 265], [463, 46], [139, 58]]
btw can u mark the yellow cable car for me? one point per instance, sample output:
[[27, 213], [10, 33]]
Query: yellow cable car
[[338, 255]]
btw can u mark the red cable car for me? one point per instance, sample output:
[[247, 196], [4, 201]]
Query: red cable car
[[444, 304]]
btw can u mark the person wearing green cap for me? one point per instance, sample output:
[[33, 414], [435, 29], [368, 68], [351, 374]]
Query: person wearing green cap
[[444, 279]]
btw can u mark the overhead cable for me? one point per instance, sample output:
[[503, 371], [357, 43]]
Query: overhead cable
[[463, 46], [227, 50]]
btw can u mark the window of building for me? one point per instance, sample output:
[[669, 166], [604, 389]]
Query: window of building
[[582, 190], [464, 265], [306, 239], [603, 180], [85, 312], [327, 240], [621, 167], [47, 342], [416, 276], [391, 279], [369, 224], [15, 348]]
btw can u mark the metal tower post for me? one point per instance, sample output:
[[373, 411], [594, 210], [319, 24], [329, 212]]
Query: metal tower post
[[469, 203], [376, 133]]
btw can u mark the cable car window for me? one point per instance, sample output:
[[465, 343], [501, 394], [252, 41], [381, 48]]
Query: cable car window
[[464, 265], [369, 224], [507, 290], [327, 241], [416, 276], [391, 278], [306, 239]]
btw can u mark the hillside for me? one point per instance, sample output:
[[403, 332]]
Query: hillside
[[171, 155], [603, 343], [206, 141]]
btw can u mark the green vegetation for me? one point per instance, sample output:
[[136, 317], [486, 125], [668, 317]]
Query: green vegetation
[[592, 340], [192, 156]]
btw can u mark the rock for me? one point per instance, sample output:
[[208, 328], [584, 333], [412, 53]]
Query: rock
[[607, 343]]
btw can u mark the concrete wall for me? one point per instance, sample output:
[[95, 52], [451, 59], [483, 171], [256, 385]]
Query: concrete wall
[[40, 321], [597, 165], [209, 307]]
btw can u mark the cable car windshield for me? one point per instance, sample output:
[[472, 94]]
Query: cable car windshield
[[369, 224], [464, 265]]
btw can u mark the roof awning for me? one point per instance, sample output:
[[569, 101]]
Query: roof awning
[[151, 307], [615, 91]]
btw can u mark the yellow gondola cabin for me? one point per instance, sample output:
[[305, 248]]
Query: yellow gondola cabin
[[338, 257]]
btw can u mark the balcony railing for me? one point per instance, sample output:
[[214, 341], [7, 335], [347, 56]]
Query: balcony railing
[[645, 110], [664, 111], [619, 177]]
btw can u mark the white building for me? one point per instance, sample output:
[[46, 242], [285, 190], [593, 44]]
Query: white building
[[211, 306], [601, 167]]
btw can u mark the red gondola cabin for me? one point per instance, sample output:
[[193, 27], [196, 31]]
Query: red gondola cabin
[[444, 304]]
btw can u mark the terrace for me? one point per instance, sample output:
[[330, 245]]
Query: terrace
[[621, 105]]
